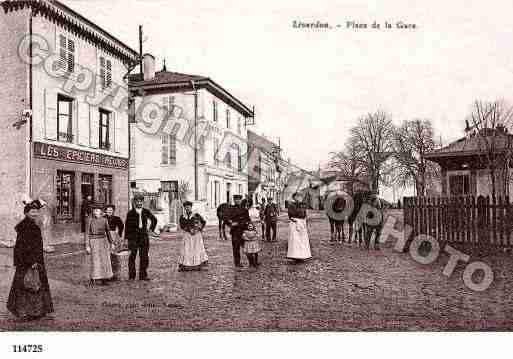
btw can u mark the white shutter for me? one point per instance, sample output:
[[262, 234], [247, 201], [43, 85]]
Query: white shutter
[[122, 135], [74, 121], [112, 131], [95, 126], [50, 100], [83, 124]]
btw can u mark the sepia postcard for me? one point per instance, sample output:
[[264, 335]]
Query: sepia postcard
[[275, 167]]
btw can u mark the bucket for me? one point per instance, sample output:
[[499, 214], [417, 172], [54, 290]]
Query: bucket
[[119, 263]]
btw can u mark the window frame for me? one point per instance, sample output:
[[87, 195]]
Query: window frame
[[101, 127], [69, 131]]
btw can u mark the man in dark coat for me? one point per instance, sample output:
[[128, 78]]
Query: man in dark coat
[[271, 219], [238, 219], [136, 233], [85, 212]]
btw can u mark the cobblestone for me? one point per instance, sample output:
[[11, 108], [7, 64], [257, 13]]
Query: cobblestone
[[342, 288]]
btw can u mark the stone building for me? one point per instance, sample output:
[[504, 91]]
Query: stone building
[[64, 115], [169, 108]]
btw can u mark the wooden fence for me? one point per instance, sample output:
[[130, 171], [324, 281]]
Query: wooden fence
[[481, 221]]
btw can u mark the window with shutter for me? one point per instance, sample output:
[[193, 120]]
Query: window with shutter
[[62, 52], [108, 80], [105, 73], [102, 72], [216, 151], [71, 55], [214, 108], [228, 118], [165, 150], [172, 149]]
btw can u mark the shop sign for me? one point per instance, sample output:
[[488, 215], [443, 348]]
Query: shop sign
[[59, 153]]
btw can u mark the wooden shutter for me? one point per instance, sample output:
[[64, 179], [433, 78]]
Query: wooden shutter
[[61, 45], [95, 126], [112, 131], [50, 100], [74, 121], [122, 134], [102, 72], [83, 124], [71, 55], [108, 75]]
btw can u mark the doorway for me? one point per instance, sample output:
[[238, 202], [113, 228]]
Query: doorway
[[228, 193]]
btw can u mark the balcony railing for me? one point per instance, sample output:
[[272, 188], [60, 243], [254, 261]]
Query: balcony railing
[[65, 137]]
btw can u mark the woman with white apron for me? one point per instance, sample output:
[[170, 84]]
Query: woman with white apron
[[192, 252], [299, 243]]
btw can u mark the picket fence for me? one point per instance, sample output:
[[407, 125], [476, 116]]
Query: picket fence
[[482, 221]]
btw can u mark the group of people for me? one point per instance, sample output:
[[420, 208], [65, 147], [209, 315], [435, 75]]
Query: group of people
[[104, 233]]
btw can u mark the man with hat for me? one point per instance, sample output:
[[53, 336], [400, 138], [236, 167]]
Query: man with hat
[[238, 219], [136, 233], [271, 213]]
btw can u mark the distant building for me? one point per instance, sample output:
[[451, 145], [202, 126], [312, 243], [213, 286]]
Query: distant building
[[465, 164], [264, 169]]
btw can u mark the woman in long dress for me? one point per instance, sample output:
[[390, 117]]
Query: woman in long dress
[[192, 252], [24, 303], [299, 243], [116, 227], [98, 245]]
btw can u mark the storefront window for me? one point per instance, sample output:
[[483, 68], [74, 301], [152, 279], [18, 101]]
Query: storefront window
[[65, 195], [105, 191]]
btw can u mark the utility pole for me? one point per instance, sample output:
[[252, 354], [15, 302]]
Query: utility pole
[[195, 142], [140, 48]]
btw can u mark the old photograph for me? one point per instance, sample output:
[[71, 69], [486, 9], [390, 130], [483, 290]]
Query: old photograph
[[276, 166]]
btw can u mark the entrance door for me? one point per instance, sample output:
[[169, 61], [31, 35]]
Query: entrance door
[[228, 193], [65, 196], [87, 187], [105, 192], [217, 193]]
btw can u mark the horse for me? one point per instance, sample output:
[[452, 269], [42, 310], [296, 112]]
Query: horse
[[359, 225], [336, 224], [222, 212]]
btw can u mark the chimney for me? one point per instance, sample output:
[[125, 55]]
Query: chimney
[[148, 67]]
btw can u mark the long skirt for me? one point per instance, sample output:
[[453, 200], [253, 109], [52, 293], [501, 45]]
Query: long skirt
[[251, 247], [26, 304], [299, 243], [100, 263], [192, 252]]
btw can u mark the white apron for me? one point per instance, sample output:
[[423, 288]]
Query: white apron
[[192, 250], [299, 243]]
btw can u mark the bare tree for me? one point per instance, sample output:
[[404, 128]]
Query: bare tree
[[373, 140], [488, 123], [349, 163], [412, 140]]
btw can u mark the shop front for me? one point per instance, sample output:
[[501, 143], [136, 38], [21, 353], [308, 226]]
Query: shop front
[[65, 177]]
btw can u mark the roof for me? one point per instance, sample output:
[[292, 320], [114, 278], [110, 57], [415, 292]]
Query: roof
[[261, 142], [169, 82], [75, 23], [474, 145]]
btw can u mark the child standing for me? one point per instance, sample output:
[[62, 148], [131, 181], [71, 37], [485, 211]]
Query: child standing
[[251, 244]]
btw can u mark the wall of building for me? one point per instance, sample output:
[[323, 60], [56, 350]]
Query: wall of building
[[146, 167], [44, 182], [14, 98], [88, 96]]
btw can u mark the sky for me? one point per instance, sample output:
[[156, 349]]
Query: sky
[[309, 86]]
